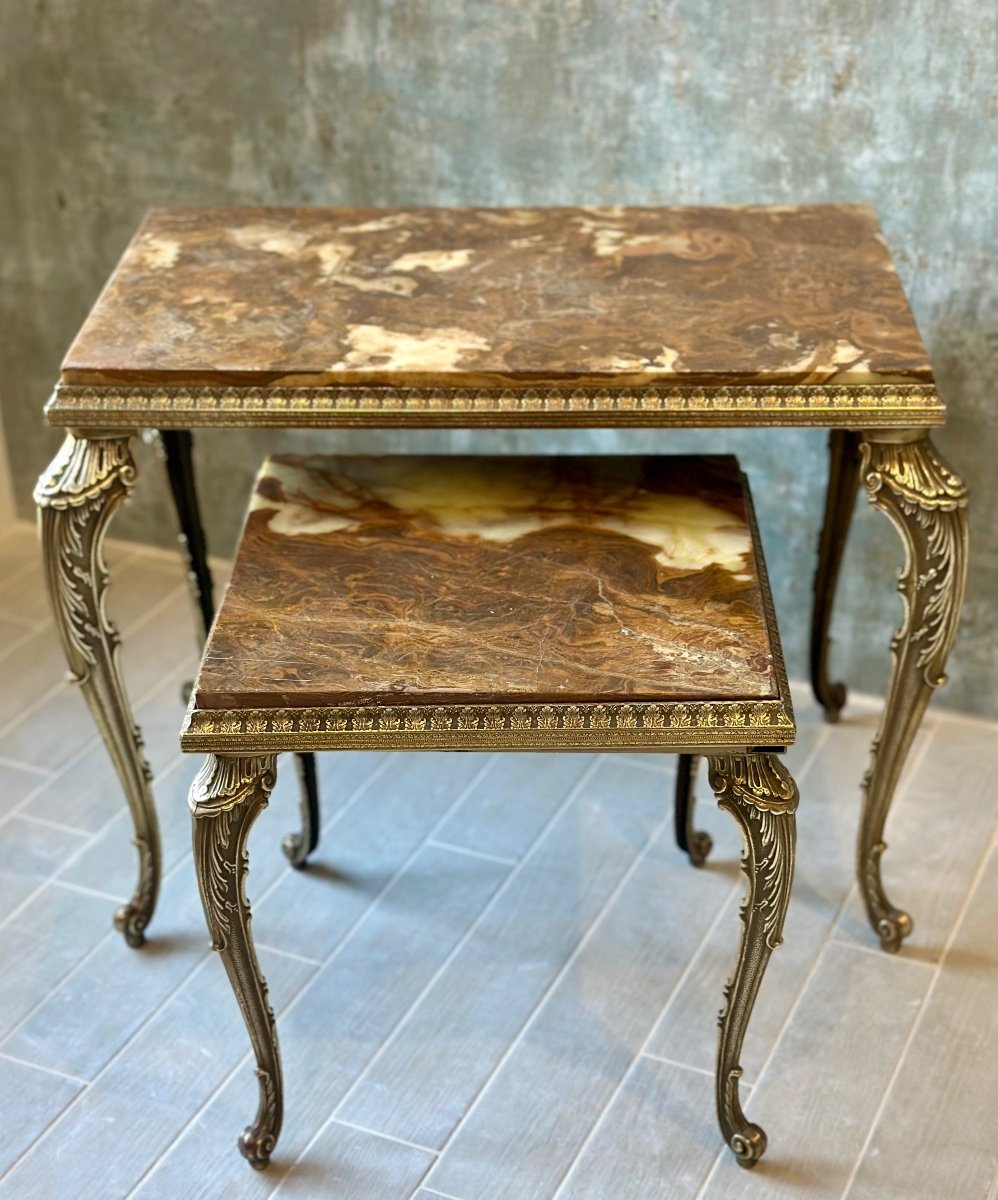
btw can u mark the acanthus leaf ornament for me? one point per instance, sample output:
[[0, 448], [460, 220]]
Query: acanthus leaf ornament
[[759, 792], [227, 795], [926, 501]]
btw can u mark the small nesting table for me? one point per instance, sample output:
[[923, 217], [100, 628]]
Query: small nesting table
[[495, 604], [525, 317]]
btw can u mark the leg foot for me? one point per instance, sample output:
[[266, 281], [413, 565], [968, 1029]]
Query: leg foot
[[840, 501], [762, 797], [76, 498], [226, 797], [693, 842], [906, 479], [298, 846]]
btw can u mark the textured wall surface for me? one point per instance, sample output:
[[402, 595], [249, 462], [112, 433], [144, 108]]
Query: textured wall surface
[[109, 107]]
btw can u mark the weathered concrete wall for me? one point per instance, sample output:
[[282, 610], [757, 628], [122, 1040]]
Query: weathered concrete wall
[[111, 105]]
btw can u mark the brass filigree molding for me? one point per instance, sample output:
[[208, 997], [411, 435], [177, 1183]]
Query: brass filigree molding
[[226, 797], [189, 406], [927, 503], [760, 794], [76, 498], [757, 722]]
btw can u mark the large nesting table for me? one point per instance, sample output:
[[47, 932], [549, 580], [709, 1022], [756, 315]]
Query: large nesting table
[[530, 318]]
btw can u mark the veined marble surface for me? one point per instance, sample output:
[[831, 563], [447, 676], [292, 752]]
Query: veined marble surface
[[468, 297], [436, 580]]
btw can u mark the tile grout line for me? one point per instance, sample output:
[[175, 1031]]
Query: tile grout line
[[671, 1062], [881, 954], [954, 931], [639, 858], [26, 1062], [388, 1137], [643, 1051], [83, 890], [469, 853], [47, 824], [29, 767], [289, 954], [383, 766]]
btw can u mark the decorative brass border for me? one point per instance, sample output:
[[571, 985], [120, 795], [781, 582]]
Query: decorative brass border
[[847, 405], [490, 726]]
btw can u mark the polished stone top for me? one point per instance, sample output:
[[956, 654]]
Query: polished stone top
[[450, 580], [462, 297]]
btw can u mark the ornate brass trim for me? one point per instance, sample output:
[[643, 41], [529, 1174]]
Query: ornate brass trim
[[226, 797], [188, 406], [927, 503], [491, 726], [76, 498], [760, 794]]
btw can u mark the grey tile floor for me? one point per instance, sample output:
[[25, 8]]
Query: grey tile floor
[[498, 980]]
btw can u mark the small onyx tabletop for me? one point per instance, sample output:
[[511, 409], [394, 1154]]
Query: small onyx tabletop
[[376, 598], [451, 316]]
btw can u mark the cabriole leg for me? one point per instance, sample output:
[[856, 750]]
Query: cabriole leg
[[695, 843], [178, 447], [76, 498], [840, 501], [760, 794], [227, 795], [907, 479]]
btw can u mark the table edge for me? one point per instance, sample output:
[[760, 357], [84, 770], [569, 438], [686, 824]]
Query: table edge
[[90, 407], [671, 725]]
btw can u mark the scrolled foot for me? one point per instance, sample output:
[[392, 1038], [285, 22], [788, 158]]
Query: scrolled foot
[[893, 930], [832, 698], [700, 845], [296, 850], [256, 1146], [748, 1145], [131, 922]]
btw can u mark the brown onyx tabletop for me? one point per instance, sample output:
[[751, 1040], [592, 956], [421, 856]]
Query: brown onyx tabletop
[[459, 297], [402, 581]]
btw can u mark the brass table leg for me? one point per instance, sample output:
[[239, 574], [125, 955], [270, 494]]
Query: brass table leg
[[840, 501], [76, 498], [694, 842], [227, 795], [178, 453], [298, 846], [907, 479], [760, 794]]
